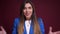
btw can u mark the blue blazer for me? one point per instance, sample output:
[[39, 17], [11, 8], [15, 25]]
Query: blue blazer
[[17, 20]]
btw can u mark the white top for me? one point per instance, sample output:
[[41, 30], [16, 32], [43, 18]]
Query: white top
[[27, 24]]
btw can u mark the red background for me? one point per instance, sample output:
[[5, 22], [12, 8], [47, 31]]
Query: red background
[[48, 10]]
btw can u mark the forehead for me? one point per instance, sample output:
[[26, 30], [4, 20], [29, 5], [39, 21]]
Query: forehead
[[28, 5]]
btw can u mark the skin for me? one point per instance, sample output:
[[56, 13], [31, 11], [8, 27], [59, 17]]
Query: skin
[[50, 31], [27, 13], [2, 30]]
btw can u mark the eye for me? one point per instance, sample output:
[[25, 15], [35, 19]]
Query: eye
[[30, 7]]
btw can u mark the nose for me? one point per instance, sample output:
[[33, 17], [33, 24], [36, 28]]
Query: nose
[[27, 10]]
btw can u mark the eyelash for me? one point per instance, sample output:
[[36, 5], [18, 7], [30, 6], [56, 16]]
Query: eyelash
[[28, 7]]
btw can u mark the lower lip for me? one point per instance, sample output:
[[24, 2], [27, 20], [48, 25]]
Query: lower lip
[[27, 14]]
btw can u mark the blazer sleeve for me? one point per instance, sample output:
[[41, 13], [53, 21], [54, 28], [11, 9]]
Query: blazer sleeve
[[41, 25], [15, 24]]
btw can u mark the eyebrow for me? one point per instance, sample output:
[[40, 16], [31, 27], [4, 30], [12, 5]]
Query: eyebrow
[[29, 7]]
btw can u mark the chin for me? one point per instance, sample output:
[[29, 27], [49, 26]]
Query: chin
[[28, 17]]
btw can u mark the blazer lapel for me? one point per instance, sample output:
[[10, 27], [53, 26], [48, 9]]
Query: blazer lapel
[[25, 32], [31, 28]]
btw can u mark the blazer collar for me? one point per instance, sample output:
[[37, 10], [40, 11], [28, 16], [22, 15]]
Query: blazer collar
[[31, 28]]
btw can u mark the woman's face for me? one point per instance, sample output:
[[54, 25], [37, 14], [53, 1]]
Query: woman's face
[[28, 10]]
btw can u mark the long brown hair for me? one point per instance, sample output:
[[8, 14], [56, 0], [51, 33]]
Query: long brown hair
[[33, 17]]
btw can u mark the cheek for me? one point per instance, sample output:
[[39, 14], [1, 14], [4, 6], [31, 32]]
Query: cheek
[[31, 11], [24, 11]]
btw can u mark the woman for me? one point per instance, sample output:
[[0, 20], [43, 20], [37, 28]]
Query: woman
[[28, 23]]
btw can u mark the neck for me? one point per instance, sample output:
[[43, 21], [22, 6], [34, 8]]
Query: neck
[[28, 19]]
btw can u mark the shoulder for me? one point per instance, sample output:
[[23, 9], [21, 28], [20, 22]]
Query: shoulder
[[16, 21], [40, 20], [41, 24]]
